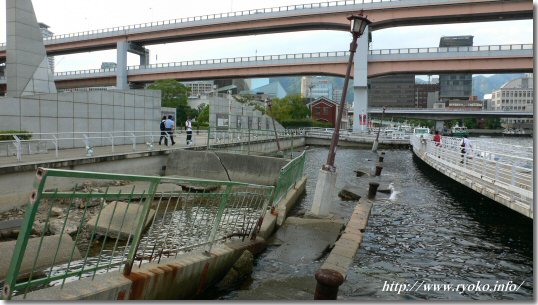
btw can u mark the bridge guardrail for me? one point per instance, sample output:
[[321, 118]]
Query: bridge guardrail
[[101, 218], [217, 16], [331, 54], [508, 176]]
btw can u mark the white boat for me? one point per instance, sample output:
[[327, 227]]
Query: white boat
[[421, 130], [517, 132], [459, 131]]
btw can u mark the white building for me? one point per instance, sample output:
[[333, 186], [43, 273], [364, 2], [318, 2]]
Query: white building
[[515, 95], [199, 88]]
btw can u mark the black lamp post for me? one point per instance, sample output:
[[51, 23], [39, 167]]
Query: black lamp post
[[358, 25]]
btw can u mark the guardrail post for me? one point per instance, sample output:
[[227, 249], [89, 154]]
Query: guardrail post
[[248, 147], [89, 147], [149, 145], [111, 139], [133, 139], [55, 142], [18, 147], [137, 234], [222, 206], [208, 137]]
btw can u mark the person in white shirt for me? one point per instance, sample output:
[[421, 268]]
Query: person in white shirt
[[169, 127], [466, 148], [188, 127]]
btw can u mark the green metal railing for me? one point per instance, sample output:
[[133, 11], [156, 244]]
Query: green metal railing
[[113, 222], [288, 176]]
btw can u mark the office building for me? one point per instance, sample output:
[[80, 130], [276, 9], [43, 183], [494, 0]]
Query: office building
[[515, 95], [455, 85], [422, 94], [392, 91], [316, 87]]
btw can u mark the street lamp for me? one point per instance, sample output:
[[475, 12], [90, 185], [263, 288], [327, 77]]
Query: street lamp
[[327, 174], [358, 25]]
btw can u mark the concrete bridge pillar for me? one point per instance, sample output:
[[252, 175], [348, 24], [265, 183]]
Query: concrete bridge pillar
[[439, 125], [121, 66], [360, 83]]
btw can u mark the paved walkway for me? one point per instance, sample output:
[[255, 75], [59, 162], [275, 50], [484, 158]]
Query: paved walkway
[[80, 153]]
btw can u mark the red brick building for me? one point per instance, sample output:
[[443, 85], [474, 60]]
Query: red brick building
[[325, 110]]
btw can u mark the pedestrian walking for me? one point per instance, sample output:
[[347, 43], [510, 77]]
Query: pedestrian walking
[[169, 125], [466, 148], [188, 127], [162, 127]]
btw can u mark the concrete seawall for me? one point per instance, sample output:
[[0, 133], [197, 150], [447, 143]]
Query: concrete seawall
[[16, 180], [192, 272]]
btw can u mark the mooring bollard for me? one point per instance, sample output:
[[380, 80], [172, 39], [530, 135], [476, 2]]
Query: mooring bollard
[[328, 283], [378, 169], [381, 159], [372, 190]]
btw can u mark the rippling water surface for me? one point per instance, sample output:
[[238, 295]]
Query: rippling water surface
[[433, 231]]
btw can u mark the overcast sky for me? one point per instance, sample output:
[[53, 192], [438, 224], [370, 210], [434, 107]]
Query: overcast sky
[[67, 16]]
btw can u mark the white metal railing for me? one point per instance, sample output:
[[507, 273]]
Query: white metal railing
[[507, 174], [265, 58], [90, 144]]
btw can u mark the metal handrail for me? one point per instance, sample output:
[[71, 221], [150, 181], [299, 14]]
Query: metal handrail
[[205, 18], [331, 54], [508, 175], [200, 219]]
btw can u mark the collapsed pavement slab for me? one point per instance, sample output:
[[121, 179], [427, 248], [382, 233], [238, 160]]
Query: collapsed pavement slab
[[46, 253], [305, 240], [119, 220]]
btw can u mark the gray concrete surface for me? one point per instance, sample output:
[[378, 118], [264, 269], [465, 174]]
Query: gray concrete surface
[[121, 222], [304, 240], [45, 255]]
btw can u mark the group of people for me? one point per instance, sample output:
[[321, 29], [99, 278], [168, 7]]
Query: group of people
[[466, 146], [168, 126]]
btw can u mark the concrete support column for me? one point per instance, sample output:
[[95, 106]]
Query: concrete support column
[[121, 67], [439, 125], [144, 58], [360, 83], [323, 196]]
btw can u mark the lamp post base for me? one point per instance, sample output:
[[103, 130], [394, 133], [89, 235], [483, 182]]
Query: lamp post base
[[374, 146], [323, 196]]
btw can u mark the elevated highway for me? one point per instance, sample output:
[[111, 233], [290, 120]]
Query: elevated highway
[[477, 59], [315, 16], [448, 114]]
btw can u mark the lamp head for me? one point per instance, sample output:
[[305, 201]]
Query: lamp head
[[358, 23]]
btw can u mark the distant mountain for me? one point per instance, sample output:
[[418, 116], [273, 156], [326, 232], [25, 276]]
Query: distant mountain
[[487, 84]]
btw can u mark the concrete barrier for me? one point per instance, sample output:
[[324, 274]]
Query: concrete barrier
[[224, 166], [184, 277], [46, 253]]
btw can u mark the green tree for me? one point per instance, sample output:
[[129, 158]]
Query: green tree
[[289, 108], [492, 123], [203, 115], [173, 93]]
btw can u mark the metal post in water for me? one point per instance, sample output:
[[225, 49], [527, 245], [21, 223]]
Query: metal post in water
[[381, 157], [372, 190], [378, 169], [328, 282]]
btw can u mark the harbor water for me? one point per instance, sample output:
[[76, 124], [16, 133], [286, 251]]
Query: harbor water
[[430, 231]]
